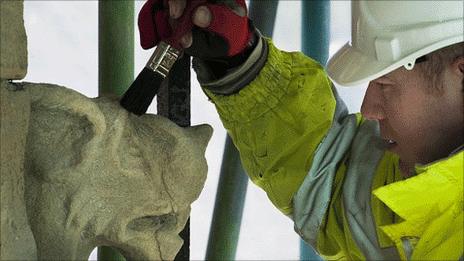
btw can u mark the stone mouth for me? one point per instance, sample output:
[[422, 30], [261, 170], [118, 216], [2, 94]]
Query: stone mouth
[[153, 230]]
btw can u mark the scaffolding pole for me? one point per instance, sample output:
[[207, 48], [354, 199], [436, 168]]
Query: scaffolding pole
[[315, 44], [232, 187], [316, 29], [115, 63]]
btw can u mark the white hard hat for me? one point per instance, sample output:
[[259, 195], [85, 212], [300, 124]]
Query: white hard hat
[[389, 34]]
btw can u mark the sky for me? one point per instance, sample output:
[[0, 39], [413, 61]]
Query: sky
[[63, 50]]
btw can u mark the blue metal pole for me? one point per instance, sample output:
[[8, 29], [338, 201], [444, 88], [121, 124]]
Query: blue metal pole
[[263, 14], [233, 181], [308, 253], [228, 208], [316, 29], [315, 43]]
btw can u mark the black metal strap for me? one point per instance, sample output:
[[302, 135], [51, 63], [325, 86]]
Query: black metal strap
[[173, 102]]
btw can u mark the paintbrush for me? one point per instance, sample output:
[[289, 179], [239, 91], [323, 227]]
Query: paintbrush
[[140, 94]]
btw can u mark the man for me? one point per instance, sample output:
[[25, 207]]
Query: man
[[383, 184]]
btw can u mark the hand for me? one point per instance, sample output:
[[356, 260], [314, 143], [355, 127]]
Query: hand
[[153, 23], [221, 27]]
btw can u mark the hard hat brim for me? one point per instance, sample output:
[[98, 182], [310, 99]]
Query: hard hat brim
[[350, 67]]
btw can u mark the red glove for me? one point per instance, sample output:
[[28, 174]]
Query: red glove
[[153, 23], [227, 35], [230, 21]]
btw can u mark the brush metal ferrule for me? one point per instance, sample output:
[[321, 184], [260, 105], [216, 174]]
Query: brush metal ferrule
[[163, 59]]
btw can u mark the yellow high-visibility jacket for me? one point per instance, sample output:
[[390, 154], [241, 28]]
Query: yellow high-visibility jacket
[[329, 171]]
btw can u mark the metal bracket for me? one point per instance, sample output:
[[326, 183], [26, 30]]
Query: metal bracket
[[163, 59]]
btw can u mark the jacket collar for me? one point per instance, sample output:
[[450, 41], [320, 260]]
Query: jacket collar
[[409, 198], [421, 198]]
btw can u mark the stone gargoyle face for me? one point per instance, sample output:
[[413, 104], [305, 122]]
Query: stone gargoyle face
[[97, 175]]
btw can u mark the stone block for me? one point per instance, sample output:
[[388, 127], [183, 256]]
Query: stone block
[[13, 41]]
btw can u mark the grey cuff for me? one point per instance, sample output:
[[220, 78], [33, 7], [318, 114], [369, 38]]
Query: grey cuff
[[239, 77]]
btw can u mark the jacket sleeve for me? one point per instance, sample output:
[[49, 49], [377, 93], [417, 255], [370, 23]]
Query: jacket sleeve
[[277, 118]]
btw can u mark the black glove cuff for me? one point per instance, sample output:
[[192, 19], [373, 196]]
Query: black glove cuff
[[230, 75], [220, 66]]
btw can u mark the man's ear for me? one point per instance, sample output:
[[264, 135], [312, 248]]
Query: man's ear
[[458, 66]]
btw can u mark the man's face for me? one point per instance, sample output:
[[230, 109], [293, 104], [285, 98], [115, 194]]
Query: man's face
[[419, 124]]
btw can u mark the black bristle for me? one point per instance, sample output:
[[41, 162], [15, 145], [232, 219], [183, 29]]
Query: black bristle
[[140, 94]]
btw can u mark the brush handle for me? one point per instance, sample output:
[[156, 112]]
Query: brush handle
[[140, 94], [163, 59], [168, 51]]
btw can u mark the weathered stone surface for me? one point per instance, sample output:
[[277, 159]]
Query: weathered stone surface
[[97, 175], [17, 241], [13, 41]]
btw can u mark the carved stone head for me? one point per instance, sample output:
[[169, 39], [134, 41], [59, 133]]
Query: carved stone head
[[97, 175]]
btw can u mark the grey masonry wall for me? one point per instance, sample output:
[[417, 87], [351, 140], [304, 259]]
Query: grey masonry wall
[[13, 40], [17, 241]]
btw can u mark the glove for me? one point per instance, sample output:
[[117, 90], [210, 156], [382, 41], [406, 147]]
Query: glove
[[153, 22], [220, 44], [228, 35]]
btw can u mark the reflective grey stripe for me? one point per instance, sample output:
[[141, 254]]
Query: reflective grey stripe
[[311, 201], [365, 154], [408, 248], [240, 77], [313, 197]]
